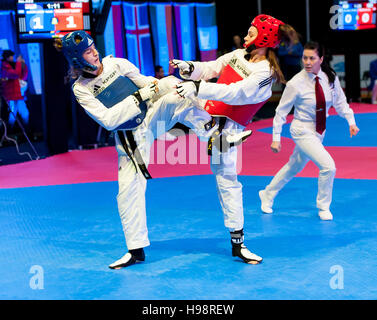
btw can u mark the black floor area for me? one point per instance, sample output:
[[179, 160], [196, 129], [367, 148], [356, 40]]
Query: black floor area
[[10, 155]]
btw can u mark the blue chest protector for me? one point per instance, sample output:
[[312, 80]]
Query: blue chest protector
[[117, 91]]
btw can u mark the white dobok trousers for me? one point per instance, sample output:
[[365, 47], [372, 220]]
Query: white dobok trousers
[[226, 168], [165, 113]]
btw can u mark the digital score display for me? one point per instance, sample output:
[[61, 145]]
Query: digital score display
[[357, 15], [38, 20]]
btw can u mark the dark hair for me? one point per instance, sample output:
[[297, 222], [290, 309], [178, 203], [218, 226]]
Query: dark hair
[[330, 72], [157, 68], [7, 54]]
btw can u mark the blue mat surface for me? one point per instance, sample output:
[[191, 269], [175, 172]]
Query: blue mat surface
[[337, 132], [73, 232]]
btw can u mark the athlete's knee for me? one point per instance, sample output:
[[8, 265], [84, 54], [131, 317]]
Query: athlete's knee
[[328, 168], [229, 183], [331, 169], [128, 189], [219, 170]]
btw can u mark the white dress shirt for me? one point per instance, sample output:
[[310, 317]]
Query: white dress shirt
[[300, 93]]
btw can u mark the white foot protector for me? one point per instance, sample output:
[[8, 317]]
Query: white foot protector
[[325, 215], [266, 205]]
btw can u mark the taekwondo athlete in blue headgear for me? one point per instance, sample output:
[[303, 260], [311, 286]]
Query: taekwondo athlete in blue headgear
[[114, 93], [74, 46]]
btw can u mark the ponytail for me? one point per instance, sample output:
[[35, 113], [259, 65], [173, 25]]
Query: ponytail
[[288, 35], [277, 74], [330, 72]]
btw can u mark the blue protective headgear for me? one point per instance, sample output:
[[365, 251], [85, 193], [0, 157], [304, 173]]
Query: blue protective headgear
[[74, 45]]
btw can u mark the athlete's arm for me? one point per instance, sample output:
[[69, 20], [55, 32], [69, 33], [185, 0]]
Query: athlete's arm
[[254, 89], [203, 70], [129, 70]]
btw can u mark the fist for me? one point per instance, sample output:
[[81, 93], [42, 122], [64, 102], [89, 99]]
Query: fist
[[185, 68], [354, 130], [276, 146], [186, 89], [149, 91]]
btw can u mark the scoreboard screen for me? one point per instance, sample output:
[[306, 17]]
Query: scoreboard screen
[[357, 15], [40, 20]]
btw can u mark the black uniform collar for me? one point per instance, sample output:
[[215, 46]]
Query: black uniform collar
[[88, 75]]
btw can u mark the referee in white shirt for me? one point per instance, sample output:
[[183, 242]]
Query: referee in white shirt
[[312, 92]]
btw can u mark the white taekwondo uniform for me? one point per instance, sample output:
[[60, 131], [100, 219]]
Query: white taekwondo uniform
[[241, 90], [98, 96]]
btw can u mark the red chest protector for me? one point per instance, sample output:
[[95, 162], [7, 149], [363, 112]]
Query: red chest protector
[[242, 114]]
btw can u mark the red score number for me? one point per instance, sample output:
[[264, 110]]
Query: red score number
[[69, 19]]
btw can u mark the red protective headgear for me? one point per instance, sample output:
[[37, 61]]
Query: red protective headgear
[[268, 31]]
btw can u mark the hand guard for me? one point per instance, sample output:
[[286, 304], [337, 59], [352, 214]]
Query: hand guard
[[167, 84], [188, 89], [186, 68], [147, 92]]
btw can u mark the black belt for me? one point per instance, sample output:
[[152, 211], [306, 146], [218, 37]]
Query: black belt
[[216, 134], [135, 152]]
